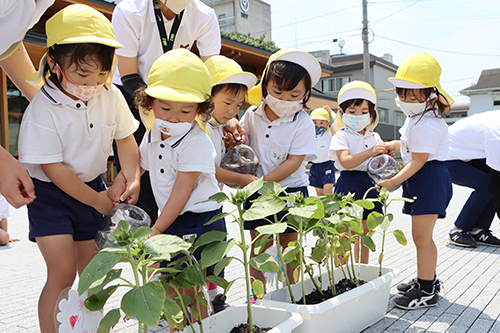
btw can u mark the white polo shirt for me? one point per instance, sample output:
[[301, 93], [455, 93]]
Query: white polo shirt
[[56, 128], [274, 141], [323, 142], [137, 30], [355, 143], [475, 137], [424, 134], [216, 134], [192, 153], [17, 17]]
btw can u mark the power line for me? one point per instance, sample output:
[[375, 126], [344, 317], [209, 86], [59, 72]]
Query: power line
[[396, 12]]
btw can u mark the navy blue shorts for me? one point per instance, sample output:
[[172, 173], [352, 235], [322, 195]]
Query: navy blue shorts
[[189, 224], [321, 174], [431, 189], [251, 225], [54, 212], [358, 182]]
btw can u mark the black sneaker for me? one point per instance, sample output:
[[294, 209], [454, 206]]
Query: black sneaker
[[219, 303], [404, 287], [416, 299], [461, 238], [484, 237]]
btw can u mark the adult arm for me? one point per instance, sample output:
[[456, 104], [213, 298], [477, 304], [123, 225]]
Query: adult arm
[[18, 67], [15, 183], [235, 133]]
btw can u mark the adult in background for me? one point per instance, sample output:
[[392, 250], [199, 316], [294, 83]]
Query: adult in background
[[147, 29], [17, 17], [474, 162]]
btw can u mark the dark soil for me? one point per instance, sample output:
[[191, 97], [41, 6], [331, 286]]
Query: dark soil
[[341, 287], [243, 328]]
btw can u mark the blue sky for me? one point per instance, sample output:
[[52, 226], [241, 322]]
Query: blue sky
[[463, 35]]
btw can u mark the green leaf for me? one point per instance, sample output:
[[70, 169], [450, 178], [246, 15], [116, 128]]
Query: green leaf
[[261, 243], [217, 197], [306, 212], [218, 217], [368, 242], [355, 227], [346, 244], [401, 199], [109, 321], [172, 312], [193, 275], [365, 204], [258, 288], [141, 232], [101, 283], [209, 237], [386, 222], [270, 187], [272, 229], [265, 205], [290, 252], [145, 303], [98, 267], [214, 252], [221, 282], [223, 263], [97, 301], [400, 237], [373, 220], [164, 246], [251, 188], [265, 262], [352, 210]]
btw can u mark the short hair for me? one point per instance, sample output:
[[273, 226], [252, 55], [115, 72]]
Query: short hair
[[358, 102], [233, 89]]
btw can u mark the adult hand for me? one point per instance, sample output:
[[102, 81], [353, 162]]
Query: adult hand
[[15, 183]]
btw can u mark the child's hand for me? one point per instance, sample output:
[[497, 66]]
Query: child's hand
[[387, 183], [119, 186], [379, 148], [246, 179], [131, 193], [156, 232], [330, 111], [103, 203], [391, 153]]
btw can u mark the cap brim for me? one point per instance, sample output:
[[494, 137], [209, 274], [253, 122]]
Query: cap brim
[[91, 39], [357, 93], [246, 79], [175, 95], [399, 83], [305, 60]]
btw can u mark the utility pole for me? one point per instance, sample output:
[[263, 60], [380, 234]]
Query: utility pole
[[366, 54]]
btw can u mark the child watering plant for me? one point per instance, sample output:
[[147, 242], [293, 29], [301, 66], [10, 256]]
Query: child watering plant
[[65, 141], [281, 132], [424, 148], [354, 144]]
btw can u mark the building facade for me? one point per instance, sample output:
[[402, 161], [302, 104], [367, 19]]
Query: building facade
[[485, 94]]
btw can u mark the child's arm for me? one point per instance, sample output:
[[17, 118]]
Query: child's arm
[[129, 159], [69, 183], [417, 162], [231, 177], [119, 186], [349, 161], [285, 169], [394, 145], [333, 115], [181, 191]]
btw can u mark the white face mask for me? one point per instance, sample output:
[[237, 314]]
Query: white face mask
[[82, 92], [413, 109], [172, 129], [356, 123], [176, 6], [282, 108]]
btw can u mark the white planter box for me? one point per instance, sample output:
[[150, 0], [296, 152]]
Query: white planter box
[[282, 320], [349, 312]]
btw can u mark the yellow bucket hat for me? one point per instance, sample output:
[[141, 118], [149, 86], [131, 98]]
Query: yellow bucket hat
[[356, 90], [321, 114], [224, 70], [419, 71], [301, 58], [80, 24], [177, 76]]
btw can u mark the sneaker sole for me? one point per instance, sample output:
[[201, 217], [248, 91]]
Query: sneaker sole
[[461, 245], [487, 244], [414, 308]]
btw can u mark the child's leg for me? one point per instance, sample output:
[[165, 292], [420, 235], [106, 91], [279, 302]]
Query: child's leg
[[365, 252], [422, 230], [319, 191], [284, 240], [4, 235], [59, 254], [328, 188], [85, 251]]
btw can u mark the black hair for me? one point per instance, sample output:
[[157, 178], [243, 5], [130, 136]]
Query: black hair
[[233, 89], [357, 102], [67, 55], [439, 109], [287, 76]]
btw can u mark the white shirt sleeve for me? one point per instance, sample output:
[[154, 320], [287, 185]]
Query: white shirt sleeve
[[304, 139], [426, 136], [339, 142], [197, 155], [144, 150], [208, 39], [127, 26]]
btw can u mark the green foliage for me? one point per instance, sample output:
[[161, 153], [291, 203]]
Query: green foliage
[[252, 41]]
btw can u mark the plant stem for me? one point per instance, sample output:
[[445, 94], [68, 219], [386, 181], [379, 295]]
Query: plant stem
[[383, 242], [301, 257], [247, 270], [136, 275], [313, 281], [280, 255], [353, 272]]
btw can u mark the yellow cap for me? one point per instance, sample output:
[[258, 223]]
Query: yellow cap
[[177, 76], [224, 70], [419, 71], [357, 90], [79, 23], [301, 58], [320, 114]]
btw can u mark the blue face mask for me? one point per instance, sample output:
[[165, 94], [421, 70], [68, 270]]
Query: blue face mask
[[356, 123], [320, 130]]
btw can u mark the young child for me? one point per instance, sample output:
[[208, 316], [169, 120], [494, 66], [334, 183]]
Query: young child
[[353, 145], [177, 152], [424, 147], [322, 171], [65, 141], [281, 132], [4, 214], [229, 89]]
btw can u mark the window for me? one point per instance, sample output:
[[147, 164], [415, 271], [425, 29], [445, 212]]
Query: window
[[399, 119], [496, 100], [383, 115], [222, 19], [334, 83]]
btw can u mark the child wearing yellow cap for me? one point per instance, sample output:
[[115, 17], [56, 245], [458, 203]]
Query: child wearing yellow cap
[[281, 132], [175, 150], [65, 141], [425, 178], [354, 144], [322, 170]]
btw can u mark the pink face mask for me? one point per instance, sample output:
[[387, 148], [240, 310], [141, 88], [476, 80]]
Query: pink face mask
[[82, 92]]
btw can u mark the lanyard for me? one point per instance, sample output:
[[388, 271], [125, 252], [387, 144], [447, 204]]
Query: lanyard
[[167, 43]]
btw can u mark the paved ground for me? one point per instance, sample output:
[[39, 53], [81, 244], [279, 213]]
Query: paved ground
[[471, 279]]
